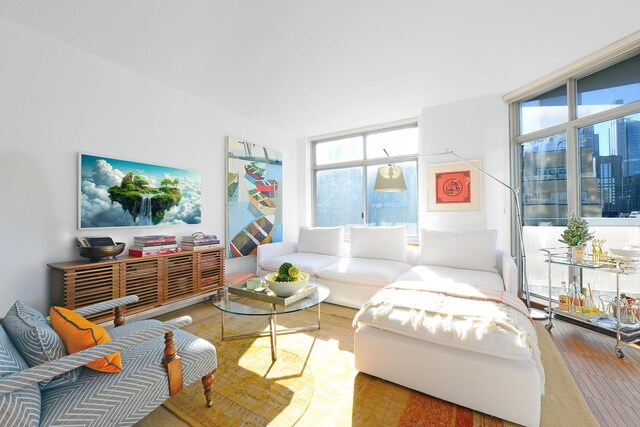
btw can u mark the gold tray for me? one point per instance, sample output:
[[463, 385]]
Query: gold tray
[[270, 297]]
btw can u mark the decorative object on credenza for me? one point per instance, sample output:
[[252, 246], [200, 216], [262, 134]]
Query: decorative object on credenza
[[123, 193], [99, 248], [576, 235], [254, 197]]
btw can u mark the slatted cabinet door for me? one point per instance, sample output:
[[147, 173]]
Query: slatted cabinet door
[[89, 285], [142, 277], [210, 270], [180, 276]]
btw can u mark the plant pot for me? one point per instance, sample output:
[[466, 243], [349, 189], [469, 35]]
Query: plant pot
[[577, 253]]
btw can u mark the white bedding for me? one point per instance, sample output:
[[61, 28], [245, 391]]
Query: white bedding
[[400, 308]]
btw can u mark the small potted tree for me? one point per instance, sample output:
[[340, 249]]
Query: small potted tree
[[576, 235]]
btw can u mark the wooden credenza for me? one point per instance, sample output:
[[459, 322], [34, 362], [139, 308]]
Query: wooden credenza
[[156, 280]]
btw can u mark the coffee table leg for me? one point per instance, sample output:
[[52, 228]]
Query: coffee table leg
[[222, 326], [318, 316], [274, 346]]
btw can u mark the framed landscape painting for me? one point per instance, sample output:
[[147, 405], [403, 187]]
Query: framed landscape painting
[[123, 193], [454, 187], [254, 202]]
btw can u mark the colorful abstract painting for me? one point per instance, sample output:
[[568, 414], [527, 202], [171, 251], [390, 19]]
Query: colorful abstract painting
[[254, 201], [122, 193]]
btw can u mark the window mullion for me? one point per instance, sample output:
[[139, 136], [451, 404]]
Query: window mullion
[[364, 180], [573, 151]]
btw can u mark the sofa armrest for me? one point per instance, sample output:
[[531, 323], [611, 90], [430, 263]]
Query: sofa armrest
[[48, 370], [508, 270], [106, 305], [273, 250]]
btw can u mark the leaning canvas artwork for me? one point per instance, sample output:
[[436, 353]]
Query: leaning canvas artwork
[[254, 203], [123, 193]]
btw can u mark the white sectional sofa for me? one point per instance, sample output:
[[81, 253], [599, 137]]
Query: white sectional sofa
[[489, 374], [354, 280]]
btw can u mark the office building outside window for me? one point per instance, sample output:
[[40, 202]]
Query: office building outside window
[[345, 169]]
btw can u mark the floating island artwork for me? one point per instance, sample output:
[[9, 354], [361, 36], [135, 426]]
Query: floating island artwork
[[121, 193]]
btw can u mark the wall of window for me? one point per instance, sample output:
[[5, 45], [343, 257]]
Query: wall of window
[[345, 169], [576, 148]]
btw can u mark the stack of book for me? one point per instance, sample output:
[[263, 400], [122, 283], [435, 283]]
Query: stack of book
[[154, 245], [199, 241]]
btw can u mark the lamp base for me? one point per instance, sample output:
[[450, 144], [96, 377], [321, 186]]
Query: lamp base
[[537, 314]]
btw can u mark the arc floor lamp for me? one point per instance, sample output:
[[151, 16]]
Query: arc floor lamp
[[390, 179]]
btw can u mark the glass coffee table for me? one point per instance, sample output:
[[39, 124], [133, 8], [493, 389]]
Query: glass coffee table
[[244, 306]]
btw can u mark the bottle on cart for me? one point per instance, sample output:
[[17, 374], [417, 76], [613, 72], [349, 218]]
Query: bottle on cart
[[575, 297], [563, 298]]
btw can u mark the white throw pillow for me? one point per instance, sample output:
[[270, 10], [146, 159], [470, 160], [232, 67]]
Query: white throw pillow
[[379, 243], [321, 240], [471, 250]]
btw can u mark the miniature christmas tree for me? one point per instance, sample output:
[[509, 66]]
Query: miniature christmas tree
[[577, 232]]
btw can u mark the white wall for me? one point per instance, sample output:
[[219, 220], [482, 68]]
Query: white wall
[[56, 101], [475, 128]]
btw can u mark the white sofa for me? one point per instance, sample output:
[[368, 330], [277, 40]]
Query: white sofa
[[485, 375], [353, 281]]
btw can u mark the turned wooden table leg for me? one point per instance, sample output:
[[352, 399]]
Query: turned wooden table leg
[[119, 317], [172, 364], [207, 382]]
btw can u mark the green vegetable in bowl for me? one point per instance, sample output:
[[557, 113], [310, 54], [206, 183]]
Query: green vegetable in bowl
[[283, 278], [294, 273], [284, 268]]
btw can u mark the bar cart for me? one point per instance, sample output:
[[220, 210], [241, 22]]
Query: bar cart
[[624, 333]]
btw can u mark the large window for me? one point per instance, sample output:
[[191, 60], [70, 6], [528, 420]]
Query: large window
[[345, 170], [577, 149]]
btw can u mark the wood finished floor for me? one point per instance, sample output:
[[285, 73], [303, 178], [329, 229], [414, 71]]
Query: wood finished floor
[[611, 386]]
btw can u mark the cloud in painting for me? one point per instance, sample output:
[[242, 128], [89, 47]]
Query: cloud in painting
[[188, 210]]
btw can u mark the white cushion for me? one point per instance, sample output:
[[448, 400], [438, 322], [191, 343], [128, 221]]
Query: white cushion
[[362, 271], [321, 240], [437, 273], [388, 243], [472, 250], [307, 263]]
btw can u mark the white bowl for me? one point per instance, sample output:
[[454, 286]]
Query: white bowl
[[627, 251], [286, 289]]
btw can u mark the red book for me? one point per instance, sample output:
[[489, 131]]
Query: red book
[[133, 252], [154, 239]]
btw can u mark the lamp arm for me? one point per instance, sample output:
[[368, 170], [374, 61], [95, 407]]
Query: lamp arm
[[519, 226]]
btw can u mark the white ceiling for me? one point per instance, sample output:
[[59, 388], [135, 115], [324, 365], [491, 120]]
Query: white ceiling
[[308, 67]]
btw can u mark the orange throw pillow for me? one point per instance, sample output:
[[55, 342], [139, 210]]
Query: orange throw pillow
[[77, 334]]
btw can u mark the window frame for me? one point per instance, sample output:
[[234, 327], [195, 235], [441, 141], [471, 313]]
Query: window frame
[[569, 75], [364, 163]]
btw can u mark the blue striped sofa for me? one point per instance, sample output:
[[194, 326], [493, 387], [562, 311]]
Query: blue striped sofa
[[63, 392]]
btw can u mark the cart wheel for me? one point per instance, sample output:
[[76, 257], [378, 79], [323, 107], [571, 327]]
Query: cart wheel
[[619, 353], [548, 326]]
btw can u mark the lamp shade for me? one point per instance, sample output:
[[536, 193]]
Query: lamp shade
[[389, 179]]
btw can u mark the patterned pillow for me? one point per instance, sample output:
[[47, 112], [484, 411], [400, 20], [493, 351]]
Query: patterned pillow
[[37, 341], [21, 407]]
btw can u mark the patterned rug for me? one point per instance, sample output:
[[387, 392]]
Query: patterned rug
[[314, 383]]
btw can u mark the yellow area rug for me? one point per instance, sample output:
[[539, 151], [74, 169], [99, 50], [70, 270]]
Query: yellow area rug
[[314, 383]]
